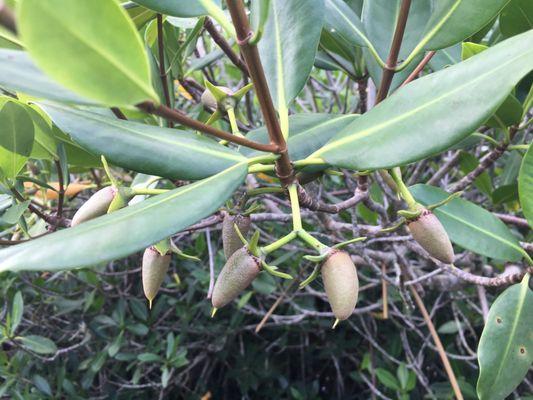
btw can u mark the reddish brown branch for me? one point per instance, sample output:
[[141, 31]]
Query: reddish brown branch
[[7, 17], [360, 194], [419, 68]]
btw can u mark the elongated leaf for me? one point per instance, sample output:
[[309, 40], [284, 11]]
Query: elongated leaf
[[286, 61], [185, 9], [307, 133], [446, 57], [17, 309], [13, 213], [125, 231], [91, 47], [20, 74], [341, 19], [525, 186], [151, 150], [16, 138], [379, 19], [505, 351], [471, 226], [415, 121], [447, 23], [38, 344], [516, 17]]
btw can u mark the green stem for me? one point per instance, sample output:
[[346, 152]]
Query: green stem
[[264, 190], [313, 242], [233, 122], [148, 191], [262, 159], [295, 208], [402, 188], [279, 243], [309, 161], [254, 169], [108, 172]]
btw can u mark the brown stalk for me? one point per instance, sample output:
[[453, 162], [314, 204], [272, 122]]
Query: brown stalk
[[284, 169], [418, 68]]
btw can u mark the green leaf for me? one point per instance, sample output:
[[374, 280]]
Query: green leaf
[[516, 17], [397, 130], [149, 357], [17, 309], [184, 9], [505, 194], [307, 133], [42, 384], [450, 327], [471, 49], [446, 57], [341, 19], [525, 186], [13, 213], [91, 47], [153, 150], [471, 226], [403, 375], [379, 19], [387, 379], [16, 140], [505, 351], [38, 344], [286, 62], [468, 162], [123, 232], [19, 73]]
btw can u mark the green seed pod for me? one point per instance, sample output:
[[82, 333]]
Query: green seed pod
[[341, 283], [209, 100], [231, 242], [427, 230], [154, 270], [96, 206], [240, 270]]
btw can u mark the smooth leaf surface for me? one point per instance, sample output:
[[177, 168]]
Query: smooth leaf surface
[[152, 150], [20, 74], [525, 186], [17, 309], [414, 122], [114, 69], [307, 133], [470, 226], [184, 9], [38, 344], [341, 19], [516, 17], [286, 62], [505, 350], [125, 231], [16, 138], [379, 19]]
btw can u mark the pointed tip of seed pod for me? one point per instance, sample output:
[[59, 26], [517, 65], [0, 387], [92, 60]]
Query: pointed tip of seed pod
[[213, 312], [335, 323], [150, 303]]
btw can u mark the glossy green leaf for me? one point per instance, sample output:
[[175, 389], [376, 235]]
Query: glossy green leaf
[[307, 133], [17, 309], [516, 17], [153, 150], [379, 19], [286, 62], [505, 194], [525, 186], [446, 57], [387, 379], [13, 213], [397, 131], [20, 74], [184, 9], [126, 231], [505, 350], [341, 19], [470, 226], [16, 138], [91, 47], [138, 14], [38, 344]]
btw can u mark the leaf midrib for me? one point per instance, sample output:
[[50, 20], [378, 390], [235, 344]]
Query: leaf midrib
[[135, 79], [350, 138], [177, 143]]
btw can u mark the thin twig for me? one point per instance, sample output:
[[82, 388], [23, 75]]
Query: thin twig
[[418, 68]]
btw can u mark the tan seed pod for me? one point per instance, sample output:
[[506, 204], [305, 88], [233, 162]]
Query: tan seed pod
[[238, 272], [154, 270], [96, 206], [209, 101], [341, 283], [427, 230], [231, 242]]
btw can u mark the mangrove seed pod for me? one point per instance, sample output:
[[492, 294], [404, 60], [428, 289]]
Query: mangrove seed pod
[[96, 206], [341, 283], [427, 230], [231, 242], [154, 270], [209, 100], [238, 272]]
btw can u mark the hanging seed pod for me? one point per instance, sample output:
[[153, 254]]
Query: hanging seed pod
[[341, 283], [209, 100], [96, 206], [231, 242], [154, 270], [238, 272], [427, 230]]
